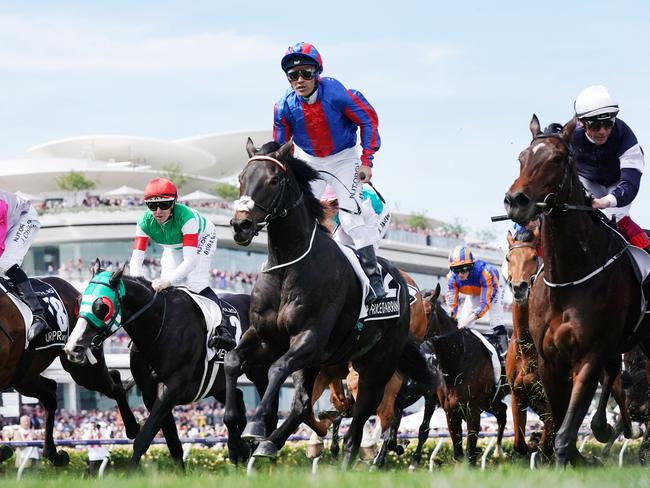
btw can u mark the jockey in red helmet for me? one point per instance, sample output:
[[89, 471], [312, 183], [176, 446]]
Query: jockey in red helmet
[[322, 117], [189, 241]]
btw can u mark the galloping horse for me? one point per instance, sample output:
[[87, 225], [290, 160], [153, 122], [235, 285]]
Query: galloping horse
[[469, 376], [586, 310], [169, 331], [21, 368], [521, 360], [305, 305]]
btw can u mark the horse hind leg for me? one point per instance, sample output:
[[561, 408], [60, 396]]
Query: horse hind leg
[[601, 429], [430, 403], [45, 390]]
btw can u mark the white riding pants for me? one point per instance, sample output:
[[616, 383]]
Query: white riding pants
[[19, 239], [497, 314]]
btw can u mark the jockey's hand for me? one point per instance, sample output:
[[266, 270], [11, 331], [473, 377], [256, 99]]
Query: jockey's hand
[[466, 320], [600, 203], [160, 284], [365, 173]]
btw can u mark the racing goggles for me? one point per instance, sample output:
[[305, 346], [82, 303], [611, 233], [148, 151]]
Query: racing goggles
[[596, 124], [161, 204], [307, 74], [466, 268]]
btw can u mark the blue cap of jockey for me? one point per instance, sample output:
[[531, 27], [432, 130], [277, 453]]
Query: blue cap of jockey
[[460, 256], [302, 53]]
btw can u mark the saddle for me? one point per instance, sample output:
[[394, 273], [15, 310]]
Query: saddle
[[54, 310]]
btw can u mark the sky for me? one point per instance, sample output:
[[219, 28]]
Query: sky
[[454, 83]]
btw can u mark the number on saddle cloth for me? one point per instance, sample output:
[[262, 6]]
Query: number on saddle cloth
[[388, 307]]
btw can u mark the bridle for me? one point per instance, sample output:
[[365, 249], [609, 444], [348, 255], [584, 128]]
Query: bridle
[[274, 210]]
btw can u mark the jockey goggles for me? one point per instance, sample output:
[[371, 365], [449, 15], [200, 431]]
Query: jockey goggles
[[161, 204], [596, 124], [466, 268], [307, 74]]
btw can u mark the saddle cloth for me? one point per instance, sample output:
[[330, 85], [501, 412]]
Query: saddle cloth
[[213, 314], [386, 308], [494, 357], [55, 314], [641, 260]]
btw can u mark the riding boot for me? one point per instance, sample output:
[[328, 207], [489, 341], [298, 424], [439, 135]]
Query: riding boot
[[368, 260], [502, 339], [221, 338], [39, 324]]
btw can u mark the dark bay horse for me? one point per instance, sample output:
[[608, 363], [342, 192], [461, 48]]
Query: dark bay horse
[[585, 312], [305, 306], [469, 377], [169, 332], [21, 369]]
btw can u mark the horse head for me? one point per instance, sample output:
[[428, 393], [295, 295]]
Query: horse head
[[523, 263], [546, 173], [438, 320], [100, 314]]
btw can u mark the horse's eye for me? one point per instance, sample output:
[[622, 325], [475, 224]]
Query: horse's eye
[[275, 180]]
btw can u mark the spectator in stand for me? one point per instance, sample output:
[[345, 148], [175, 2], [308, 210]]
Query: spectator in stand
[[96, 452]]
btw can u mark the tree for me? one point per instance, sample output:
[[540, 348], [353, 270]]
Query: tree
[[455, 229], [418, 220], [76, 182], [226, 191], [174, 173]]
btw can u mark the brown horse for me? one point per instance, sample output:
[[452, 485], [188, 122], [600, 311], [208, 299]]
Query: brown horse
[[469, 379], [21, 369], [586, 310], [521, 360]]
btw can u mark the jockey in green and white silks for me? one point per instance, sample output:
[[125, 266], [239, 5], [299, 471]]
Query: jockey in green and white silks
[[188, 238]]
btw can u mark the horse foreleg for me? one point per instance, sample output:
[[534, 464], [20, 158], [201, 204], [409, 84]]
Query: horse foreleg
[[473, 420], [430, 402], [304, 347], [602, 431], [499, 410], [335, 446], [455, 427], [45, 390], [519, 415], [618, 392], [585, 381]]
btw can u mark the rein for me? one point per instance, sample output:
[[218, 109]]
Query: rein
[[284, 265]]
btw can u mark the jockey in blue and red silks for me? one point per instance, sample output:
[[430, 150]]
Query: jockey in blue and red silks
[[609, 159], [19, 225], [483, 287], [322, 116]]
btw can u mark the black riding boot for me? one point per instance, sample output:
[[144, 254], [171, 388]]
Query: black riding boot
[[502, 339], [39, 324], [368, 260], [221, 338]]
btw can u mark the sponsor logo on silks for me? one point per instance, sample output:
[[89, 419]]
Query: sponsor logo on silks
[[360, 325], [220, 355]]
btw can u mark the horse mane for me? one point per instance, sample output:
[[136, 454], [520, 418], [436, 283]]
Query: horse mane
[[304, 174], [524, 235]]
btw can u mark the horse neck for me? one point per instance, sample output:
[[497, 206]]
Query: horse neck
[[573, 243], [145, 328], [289, 237], [520, 322]]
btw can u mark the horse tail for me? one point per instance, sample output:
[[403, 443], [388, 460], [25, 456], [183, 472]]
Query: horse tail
[[413, 364]]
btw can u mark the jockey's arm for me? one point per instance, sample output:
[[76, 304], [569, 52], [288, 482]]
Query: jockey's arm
[[488, 292], [452, 296], [282, 130], [361, 113], [139, 250], [190, 257]]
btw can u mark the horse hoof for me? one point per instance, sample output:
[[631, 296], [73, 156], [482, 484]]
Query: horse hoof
[[5, 453], [266, 449], [254, 431], [60, 459], [412, 467], [132, 431], [399, 450]]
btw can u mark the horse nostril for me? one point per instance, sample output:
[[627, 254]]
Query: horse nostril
[[521, 200]]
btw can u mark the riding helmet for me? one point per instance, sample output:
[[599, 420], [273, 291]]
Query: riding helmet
[[460, 256], [160, 189], [596, 102], [301, 54]]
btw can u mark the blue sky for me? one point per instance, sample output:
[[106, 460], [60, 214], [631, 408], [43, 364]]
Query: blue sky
[[454, 83]]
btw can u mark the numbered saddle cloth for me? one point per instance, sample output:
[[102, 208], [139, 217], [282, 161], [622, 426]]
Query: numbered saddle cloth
[[54, 311]]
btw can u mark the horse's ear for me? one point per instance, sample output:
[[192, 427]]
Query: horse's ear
[[285, 151], [95, 267], [115, 278], [250, 148], [510, 238], [535, 129], [436, 292], [567, 130]]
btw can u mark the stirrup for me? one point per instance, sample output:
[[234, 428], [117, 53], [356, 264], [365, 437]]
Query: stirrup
[[39, 327], [221, 341]]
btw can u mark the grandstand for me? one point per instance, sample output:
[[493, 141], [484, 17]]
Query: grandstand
[[74, 232]]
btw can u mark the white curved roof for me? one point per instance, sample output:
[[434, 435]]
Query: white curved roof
[[139, 150]]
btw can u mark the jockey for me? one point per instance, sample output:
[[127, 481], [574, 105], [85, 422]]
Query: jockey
[[18, 228], [322, 116], [609, 160], [189, 241], [484, 289], [376, 216]]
